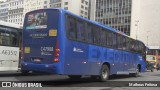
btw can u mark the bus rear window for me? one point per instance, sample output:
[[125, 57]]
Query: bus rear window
[[37, 20]]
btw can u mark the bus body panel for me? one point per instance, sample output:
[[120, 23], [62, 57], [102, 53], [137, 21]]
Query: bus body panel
[[76, 58], [42, 47], [10, 40], [9, 58], [86, 59]]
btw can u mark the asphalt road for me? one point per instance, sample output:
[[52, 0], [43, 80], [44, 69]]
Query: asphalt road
[[58, 82]]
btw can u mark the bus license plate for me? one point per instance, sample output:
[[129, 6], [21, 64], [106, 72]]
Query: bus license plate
[[37, 60]]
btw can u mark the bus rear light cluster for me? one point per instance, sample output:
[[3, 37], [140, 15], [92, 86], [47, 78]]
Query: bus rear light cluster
[[57, 50], [57, 55], [56, 60]]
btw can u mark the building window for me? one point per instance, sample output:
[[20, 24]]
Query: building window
[[81, 15], [81, 11], [66, 8], [86, 13], [82, 6], [86, 8], [45, 2], [82, 1], [45, 6], [86, 2], [66, 3]]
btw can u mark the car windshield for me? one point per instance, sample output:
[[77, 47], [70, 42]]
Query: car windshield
[[150, 58]]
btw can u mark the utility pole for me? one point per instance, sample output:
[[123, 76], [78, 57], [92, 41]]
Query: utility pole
[[137, 21], [147, 37]]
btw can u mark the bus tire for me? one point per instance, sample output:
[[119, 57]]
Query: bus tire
[[94, 78], [24, 72], [137, 72], [152, 70], [104, 74], [74, 76]]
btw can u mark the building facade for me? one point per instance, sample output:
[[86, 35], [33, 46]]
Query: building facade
[[114, 13], [146, 23], [79, 7], [15, 11], [30, 5], [46, 4], [4, 11]]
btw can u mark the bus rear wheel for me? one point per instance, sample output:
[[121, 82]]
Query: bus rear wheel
[[104, 75], [137, 72], [74, 76], [24, 72]]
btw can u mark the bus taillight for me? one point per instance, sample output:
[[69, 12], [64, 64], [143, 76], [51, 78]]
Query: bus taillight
[[56, 60], [57, 55], [57, 50]]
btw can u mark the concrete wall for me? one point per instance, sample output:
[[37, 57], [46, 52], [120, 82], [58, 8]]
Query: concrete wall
[[145, 21]]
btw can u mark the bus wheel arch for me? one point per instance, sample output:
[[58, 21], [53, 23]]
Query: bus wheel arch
[[138, 70], [139, 67], [24, 72], [104, 72], [106, 63]]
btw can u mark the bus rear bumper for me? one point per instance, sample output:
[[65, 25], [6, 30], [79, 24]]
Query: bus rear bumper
[[47, 68]]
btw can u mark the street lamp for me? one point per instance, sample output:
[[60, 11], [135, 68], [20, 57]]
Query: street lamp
[[137, 21], [147, 37]]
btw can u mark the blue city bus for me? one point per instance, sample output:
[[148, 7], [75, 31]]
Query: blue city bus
[[57, 41]]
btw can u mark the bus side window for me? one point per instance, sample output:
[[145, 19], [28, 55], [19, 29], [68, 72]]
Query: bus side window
[[89, 34], [14, 40], [80, 31], [114, 35], [71, 27], [109, 39], [120, 41], [0, 40], [103, 37], [132, 45], [136, 46], [124, 43], [96, 34], [128, 44]]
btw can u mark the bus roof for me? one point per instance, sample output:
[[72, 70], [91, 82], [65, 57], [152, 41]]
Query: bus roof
[[96, 23], [100, 24], [93, 22], [3, 23]]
